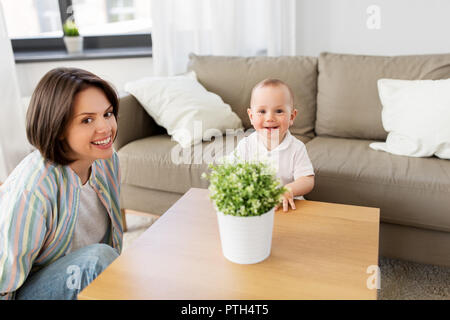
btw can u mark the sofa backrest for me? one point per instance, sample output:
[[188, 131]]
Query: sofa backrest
[[348, 104], [233, 78]]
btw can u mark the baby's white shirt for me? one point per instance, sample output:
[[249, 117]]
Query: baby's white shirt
[[289, 158]]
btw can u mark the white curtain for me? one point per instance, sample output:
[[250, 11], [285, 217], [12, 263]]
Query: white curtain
[[13, 142], [219, 27]]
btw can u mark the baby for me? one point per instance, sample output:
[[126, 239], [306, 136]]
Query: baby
[[271, 113]]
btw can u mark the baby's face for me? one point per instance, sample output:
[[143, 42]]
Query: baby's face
[[271, 111]]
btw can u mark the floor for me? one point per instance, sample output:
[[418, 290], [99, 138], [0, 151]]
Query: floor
[[400, 280]]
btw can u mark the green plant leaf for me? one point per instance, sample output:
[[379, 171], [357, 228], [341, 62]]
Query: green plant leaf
[[70, 29], [243, 188]]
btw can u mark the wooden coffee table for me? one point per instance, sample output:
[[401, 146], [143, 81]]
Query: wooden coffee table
[[319, 251]]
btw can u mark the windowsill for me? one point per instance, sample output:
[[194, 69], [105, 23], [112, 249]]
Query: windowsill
[[87, 54]]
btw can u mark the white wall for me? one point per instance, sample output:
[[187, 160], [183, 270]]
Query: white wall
[[406, 27], [116, 71]]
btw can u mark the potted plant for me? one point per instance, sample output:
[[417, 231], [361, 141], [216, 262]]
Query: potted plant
[[244, 195], [72, 38]]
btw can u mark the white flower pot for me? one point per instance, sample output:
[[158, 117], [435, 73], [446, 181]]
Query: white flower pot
[[246, 240], [74, 44]]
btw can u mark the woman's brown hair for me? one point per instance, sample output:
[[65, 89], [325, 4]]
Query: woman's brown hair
[[51, 107]]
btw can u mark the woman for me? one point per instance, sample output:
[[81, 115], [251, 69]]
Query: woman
[[60, 220]]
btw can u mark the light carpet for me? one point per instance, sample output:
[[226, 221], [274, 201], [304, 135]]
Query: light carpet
[[400, 280]]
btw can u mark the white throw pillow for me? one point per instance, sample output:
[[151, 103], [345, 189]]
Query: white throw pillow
[[184, 107], [416, 115]]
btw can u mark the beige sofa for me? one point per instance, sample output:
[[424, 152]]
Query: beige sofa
[[339, 116]]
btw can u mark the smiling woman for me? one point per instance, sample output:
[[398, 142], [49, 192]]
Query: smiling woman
[[61, 223]]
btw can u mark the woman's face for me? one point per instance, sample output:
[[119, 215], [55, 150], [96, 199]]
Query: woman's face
[[91, 131]]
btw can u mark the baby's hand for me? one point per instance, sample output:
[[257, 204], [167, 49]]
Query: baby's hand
[[288, 198]]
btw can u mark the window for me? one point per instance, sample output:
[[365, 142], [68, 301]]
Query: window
[[102, 17], [36, 26], [32, 18]]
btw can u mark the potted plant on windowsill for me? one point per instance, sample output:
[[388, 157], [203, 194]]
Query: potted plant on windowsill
[[72, 38], [244, 195]]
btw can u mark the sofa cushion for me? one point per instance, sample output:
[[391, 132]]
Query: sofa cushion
[[416, 113], [148, 163], [409, 191], [348, 105], [233, 78], [183, 107]]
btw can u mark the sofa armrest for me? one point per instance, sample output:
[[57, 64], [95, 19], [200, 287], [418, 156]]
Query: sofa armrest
[[133, 122]]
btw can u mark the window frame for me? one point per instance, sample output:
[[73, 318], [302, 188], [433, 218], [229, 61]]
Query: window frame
[[26, 46]]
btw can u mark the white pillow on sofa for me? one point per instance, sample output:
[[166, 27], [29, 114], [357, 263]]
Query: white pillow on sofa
[[416, 115], [183, 107]]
